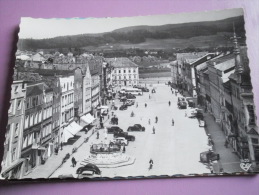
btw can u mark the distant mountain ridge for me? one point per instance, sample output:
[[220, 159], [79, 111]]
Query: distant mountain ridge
[[138, 34]]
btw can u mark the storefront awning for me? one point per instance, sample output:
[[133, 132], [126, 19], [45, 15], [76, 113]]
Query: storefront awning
[[70, 131], [4, 172], [88, 119]]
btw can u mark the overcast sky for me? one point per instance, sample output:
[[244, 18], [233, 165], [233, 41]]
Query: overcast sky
[[48, 28]]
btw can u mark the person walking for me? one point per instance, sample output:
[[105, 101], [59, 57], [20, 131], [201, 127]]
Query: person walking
[[156, 119], [154, 130], [97, 135], [149, 122], [172, 122], [136, 104], [149, 96], [150, 164], [145, 105], [185, 114], [169, 103], [124, 149], [73, 161]]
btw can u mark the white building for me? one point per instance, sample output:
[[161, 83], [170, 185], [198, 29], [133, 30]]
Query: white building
[[125, 72]]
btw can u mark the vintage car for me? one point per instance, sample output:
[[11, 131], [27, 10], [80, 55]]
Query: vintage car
[[130, 96], [208, 156], [182, 105], [121, 141], [144, 89], [181, 99], [125, 135], [136, 127], [114, 129], [123, 107], [89, 168], [129, 103]]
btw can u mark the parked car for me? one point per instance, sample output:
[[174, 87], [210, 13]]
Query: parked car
[[121, 141], [114, 129], [125, 135], [89, 168], [129, 103], [123, 99], [206, 157], [182, 105], [202, 123], [144, 89], [181, 99], [123, 107], [136, 127], [130, 96]]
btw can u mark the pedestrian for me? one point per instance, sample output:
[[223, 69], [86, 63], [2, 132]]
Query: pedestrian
[[124, 149], [169, 103], [150, 164], [154, 130], [172, 122], [172, 91], [136, 104], [61, 146], [156, 119], [97, 135], [73, 161], [185, 114], [149, 122], [149, 96], [145, 105]]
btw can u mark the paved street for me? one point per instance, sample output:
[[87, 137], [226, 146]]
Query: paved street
[[174, 149]]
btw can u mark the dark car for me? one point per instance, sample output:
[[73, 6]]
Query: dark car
[[136, 127], [89, 167], [182, 105], [144, 89], [114, 129], [125, 135], [208, 156], [130, 96], [123, 107]]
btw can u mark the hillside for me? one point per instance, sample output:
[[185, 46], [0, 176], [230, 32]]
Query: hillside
[[198, 34]]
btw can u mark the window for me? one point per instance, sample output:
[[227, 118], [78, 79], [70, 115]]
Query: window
[[124, 71], [26, 124], [250, 109], [40, 116], [16, 130], [129, 71], [134, 70], [28, 103], [10, 111], [119, 71], [31, 120], [254, 140], [19, 104], [16, 89]]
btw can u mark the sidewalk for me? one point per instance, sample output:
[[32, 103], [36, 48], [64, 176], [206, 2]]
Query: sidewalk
[[229, 161], [54, 161]]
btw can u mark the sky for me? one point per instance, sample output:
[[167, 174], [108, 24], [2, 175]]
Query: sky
[[49, 28]]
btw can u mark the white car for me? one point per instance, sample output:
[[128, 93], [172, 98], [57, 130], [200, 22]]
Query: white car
[[192, 113], [119, 141]]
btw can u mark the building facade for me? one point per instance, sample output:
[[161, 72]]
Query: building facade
[[124, 73], [32, 125], [12, 164]]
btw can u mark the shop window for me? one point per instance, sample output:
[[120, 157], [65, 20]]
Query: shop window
[[250, 109], [254, 141]]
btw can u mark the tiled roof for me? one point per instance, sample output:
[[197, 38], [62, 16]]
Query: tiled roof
[[121, 62], [34, 89], [190, 56]]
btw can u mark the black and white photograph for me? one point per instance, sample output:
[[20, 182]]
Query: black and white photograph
[[131, 97]]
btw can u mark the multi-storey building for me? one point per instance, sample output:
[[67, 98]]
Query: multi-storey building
[[87, 103], [78, 93], [183, 62], [174, 73], [246, 135], [12, 163], [31, 139], [124, 73], [46, 125], [219, 69]]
